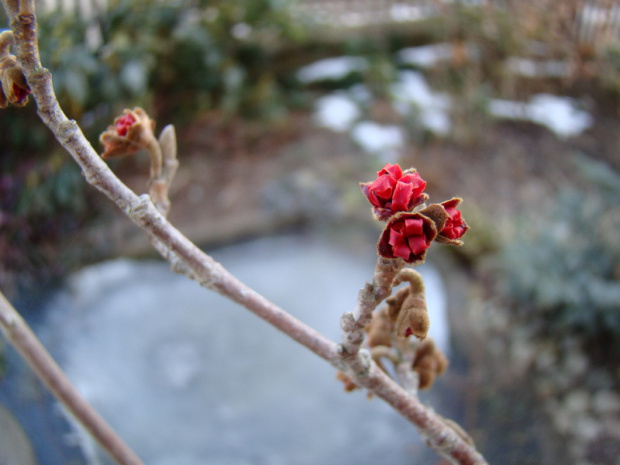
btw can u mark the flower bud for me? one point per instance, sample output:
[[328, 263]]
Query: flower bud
[[394, 191], [14, 89], [130, 133], [455, 227]]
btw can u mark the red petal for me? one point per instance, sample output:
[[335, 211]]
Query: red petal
[[382, 188], [392, 170], [401, 196], [124, 123], [416, 182], [396, 237], [455, 215], [401, 251], [417, 244], [414, 227]]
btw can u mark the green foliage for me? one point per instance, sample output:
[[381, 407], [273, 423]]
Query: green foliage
[[187, 56], [565, 271], [176, 58]]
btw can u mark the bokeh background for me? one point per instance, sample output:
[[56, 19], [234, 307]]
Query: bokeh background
[[281, 108]]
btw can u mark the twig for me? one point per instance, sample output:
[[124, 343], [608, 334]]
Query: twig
[[371, 295], [207, 271], [19, 334]]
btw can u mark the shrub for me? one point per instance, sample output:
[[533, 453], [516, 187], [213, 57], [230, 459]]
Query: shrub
[[564, 272]]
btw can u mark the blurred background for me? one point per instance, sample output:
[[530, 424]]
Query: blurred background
[[281, 108]]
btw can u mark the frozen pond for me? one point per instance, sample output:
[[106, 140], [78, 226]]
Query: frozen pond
[[188, 378]]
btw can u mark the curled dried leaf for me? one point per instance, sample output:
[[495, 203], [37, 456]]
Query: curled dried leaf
[[429, 362], [380, 330], [407, 308]]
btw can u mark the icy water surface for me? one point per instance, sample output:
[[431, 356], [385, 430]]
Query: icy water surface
[[188, 378]]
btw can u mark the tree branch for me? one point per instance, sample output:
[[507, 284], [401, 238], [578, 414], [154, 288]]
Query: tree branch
[[19, 334]]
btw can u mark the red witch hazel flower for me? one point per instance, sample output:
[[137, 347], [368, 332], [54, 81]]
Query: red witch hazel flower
[[407, 236], [394, 191], [123, 124], [130, 133], [455, 226], [409, 232]]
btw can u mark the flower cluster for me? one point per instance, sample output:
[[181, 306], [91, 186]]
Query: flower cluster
[[398, 197], [14, 89]]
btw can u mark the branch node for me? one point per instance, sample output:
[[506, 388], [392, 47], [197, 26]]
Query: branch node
[[26, 19], [365, 360], [347, 321], [140, 209], [67, 130]]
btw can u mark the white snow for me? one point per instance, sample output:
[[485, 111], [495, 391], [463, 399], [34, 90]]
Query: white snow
[[559, 114], [331, 68], [401, 12], [411, 93], [336, 111], [425, 56], [537, 68], [383, 140]]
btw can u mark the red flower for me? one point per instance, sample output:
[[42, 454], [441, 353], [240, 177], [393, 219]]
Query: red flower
[[455, 226], [123, 124], [394, 191], [407, 236], [130, 133]]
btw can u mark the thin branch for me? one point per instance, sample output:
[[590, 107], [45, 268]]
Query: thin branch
[[19, 334], [371, 295], [212, 275]]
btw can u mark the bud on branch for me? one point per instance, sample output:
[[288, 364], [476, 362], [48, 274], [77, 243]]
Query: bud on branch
[[14, 89]]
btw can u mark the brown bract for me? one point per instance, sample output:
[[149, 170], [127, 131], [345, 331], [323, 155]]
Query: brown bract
[[429, 363], [407, 308], [380, 330], [134, 138]]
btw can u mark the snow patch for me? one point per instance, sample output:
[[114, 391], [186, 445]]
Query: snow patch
[[558, 114], [331, 69], [385, 140], [411, 93], [336, 112]]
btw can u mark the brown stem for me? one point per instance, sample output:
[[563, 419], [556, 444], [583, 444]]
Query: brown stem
[[30, 348], [371, 295], [438, 434]]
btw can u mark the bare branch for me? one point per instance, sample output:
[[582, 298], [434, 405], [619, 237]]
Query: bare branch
[[19, 334], [371, 295]]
